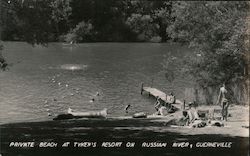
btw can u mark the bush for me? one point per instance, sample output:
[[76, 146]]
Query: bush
[[83, 32]]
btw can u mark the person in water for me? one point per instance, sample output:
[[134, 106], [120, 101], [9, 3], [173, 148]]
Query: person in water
[[3, 63], [97, 94], [126, 108], [223, 101], [92, 100]]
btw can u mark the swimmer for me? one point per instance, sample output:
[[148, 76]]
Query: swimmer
[[97, 94], [92, 100]]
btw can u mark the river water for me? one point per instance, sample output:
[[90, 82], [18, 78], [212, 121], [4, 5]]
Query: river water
[[51, 79]]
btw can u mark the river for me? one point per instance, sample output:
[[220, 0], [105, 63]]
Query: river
[[48, 80], [43, 80]]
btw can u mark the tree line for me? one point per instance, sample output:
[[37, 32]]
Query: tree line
[[85, 20]]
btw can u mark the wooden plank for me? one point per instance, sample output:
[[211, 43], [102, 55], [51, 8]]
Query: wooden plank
[[157, 93]]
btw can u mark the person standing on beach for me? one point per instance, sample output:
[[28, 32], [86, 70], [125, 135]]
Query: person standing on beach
[[157, 103], [222, 99]]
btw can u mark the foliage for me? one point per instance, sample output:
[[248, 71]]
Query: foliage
[[217, 33], [142, 25], [3, 63], [149, 18], [61, 11], [82, 32], [107, 18], [40, 21], [34, 21]]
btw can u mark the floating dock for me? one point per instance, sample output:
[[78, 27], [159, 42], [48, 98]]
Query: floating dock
[[161, 95]]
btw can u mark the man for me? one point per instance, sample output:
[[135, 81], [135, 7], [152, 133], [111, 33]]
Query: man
[[190, 117], [170, 98], [222, 99], [192, 113]]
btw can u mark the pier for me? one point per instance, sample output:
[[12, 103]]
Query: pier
[[156, 93], [204, 112]]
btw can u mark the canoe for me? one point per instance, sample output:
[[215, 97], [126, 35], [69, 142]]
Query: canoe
[[140, 115], [89, 114], [102, 113]]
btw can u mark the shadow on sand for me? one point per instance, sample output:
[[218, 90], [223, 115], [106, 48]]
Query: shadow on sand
[[111, 130]]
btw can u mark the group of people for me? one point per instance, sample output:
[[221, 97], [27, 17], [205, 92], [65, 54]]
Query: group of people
[[190, 117], [165, 107]]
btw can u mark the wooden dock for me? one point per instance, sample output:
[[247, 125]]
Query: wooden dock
[[161, 95]]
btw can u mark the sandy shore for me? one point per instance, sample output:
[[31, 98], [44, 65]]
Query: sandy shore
[[151, 129], [236, 125]]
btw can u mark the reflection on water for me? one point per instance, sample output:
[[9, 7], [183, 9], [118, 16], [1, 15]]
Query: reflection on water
[[73, 67], [47, 80]]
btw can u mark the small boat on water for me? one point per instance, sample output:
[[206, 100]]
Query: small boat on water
[[75, 115]]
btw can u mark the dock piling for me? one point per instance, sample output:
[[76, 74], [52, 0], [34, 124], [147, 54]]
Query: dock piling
[[142, 88]]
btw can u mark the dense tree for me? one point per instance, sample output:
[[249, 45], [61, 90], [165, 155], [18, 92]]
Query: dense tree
[[35, 21], [149, 19], [83, 32], [107, 17], [61, 11], [217, 33]]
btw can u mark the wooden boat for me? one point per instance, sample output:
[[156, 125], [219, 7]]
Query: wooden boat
[[102, 113], [140, 115], [89, 114]]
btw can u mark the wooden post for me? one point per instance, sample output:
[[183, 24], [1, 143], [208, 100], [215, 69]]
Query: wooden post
[[152, 82], [184, 103], [141, 88], [195, 104], [196, 96]]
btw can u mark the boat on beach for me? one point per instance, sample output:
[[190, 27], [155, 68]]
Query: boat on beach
[[88, 114]]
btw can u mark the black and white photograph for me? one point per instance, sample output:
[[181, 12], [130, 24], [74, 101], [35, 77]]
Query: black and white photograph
[[124, 77]]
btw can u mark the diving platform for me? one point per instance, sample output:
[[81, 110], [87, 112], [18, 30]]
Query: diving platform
[[156, 93]]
